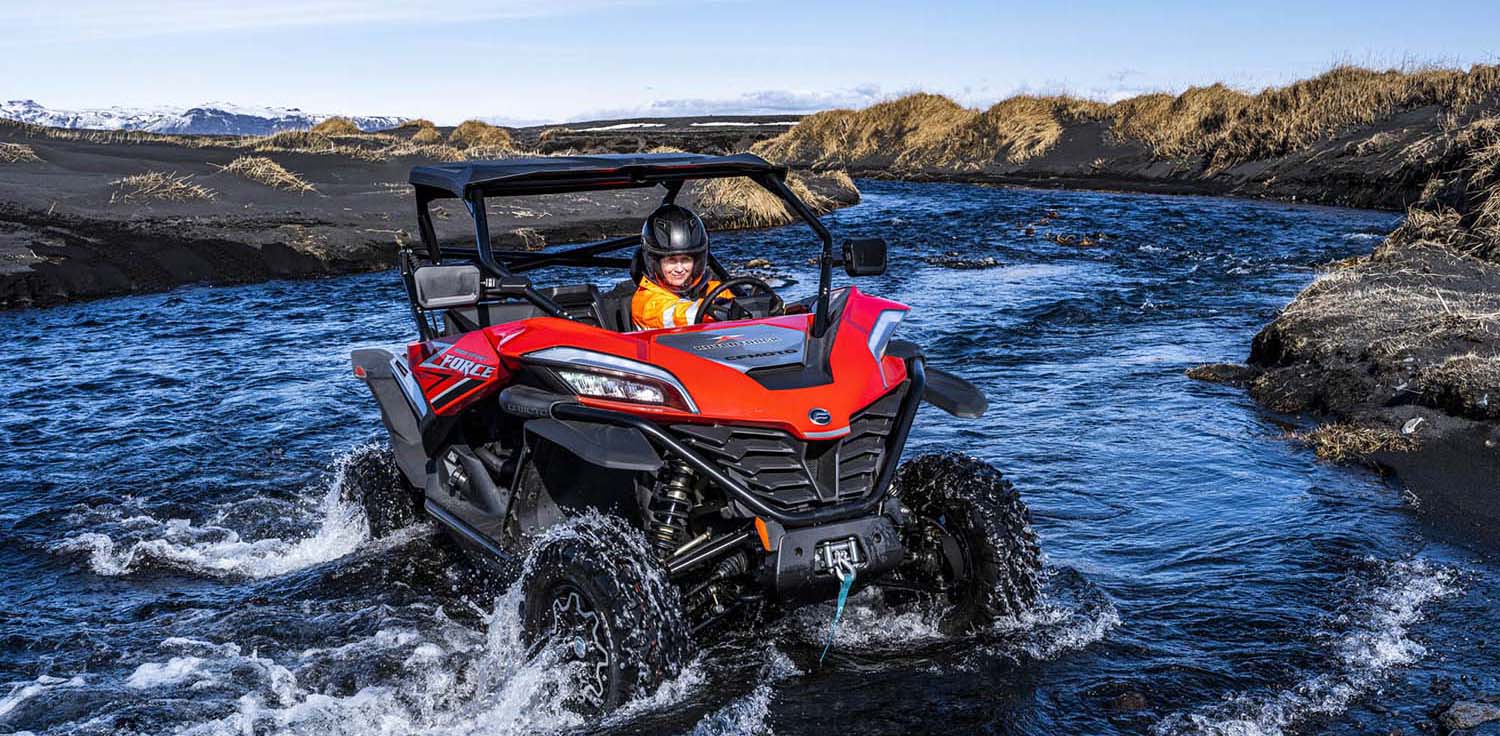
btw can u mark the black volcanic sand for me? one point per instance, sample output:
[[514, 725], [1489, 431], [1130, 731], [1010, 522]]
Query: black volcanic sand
[[1404, 343], [62, 238]]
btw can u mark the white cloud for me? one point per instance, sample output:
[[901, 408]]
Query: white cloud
[[763, 102]]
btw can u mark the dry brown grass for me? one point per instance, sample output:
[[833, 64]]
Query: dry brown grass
[[923, 130], [427, 137], [1460, 206], [1188, 125], [480, 153], [158, 186], [1214, 126], [1465, 385], [414, 124], [1019, 128], [436, 152], [336, 126], [1345, 442], [479, 133], [295, 140], [1286, 119], [739, 202], [17, 153], [263, 170]]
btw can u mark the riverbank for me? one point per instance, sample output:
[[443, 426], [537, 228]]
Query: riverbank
[[1397, 353], [88, 214]]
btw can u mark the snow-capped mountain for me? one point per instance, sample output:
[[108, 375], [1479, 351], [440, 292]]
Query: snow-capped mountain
[[211, 118]]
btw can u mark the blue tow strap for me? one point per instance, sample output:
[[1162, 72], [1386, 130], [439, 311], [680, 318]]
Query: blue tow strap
[[845, 572]]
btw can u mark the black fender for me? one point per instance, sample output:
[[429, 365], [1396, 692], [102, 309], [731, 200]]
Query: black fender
[[944, 390], [615, 448], [416, 432]]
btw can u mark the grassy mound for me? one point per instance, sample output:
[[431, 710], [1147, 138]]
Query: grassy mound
[[427, 136], [263, 170], [159, 186], [336, 126], [472, 133]]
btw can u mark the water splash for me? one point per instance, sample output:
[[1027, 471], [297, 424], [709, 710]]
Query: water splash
[[1372, 639], [213, 549]]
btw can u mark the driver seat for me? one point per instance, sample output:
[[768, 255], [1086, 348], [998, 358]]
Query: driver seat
[[614, 305]]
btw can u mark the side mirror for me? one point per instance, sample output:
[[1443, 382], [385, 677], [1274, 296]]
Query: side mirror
[[864, 257], [440, 287]]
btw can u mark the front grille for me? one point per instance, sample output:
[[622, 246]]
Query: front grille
[[793, 474]]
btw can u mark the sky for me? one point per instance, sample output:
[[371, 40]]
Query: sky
[[527, 61]]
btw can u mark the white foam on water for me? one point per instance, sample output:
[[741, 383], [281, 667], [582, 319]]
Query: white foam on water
[[1363, 236], [869, 624], [216, 551], [338, 527], [21, 692], [1373, 639], [453, 679], [750, 713], [1050, 629]]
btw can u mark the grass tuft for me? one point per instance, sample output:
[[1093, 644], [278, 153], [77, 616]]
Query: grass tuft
[[1341, 442], [159, 186], [17, 153], [336, 126], [472, 133], [738, 202], [263, 170]]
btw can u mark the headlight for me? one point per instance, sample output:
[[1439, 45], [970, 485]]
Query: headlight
[[606, 376], [611, 387], [885, 326]]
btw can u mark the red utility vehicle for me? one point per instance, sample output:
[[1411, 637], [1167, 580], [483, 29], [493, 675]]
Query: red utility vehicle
[[657, 483]]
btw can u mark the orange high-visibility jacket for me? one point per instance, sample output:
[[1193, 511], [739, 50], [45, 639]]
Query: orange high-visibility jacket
[[655, 306]]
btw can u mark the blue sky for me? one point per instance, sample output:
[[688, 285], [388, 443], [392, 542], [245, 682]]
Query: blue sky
[[556, 60]]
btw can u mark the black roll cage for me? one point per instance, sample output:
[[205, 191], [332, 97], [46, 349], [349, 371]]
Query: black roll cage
[[475, 181]]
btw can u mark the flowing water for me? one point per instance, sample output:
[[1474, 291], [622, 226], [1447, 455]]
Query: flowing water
[[177, 559]]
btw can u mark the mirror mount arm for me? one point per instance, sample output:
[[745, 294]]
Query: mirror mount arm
[[777, 186]]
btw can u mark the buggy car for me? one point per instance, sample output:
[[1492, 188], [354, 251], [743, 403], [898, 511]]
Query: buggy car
[[650, 487]]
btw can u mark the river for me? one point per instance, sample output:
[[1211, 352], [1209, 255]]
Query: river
[[177, 559]]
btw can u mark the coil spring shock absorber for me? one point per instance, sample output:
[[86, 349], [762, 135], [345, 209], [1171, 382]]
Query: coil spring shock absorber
[[670, 503]]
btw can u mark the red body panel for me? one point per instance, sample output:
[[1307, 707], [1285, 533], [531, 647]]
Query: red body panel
[[478, 364]]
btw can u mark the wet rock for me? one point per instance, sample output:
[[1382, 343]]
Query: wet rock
[[1465, 714], [952, 259], [758, 263], [1128, 701], [1232, 374]]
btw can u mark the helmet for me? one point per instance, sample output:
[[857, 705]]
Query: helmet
[[674, 230]]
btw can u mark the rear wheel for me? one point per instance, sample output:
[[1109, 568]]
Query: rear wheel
[[370, 478], [968, 538], [597, 593]]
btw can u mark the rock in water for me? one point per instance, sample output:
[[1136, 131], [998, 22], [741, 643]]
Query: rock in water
[[1232, 374], [1468, 714], [952, 259]]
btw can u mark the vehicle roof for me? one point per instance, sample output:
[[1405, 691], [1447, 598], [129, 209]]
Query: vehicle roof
[[551, 174]]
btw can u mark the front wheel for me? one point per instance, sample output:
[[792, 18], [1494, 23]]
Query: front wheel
[[968, 538], [597, 592]]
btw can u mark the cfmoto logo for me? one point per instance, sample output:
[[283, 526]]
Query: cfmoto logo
[[819, 416]]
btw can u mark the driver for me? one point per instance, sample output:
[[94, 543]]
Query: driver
[[674, 248]]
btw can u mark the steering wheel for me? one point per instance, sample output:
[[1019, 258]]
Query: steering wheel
[[741, 286]]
